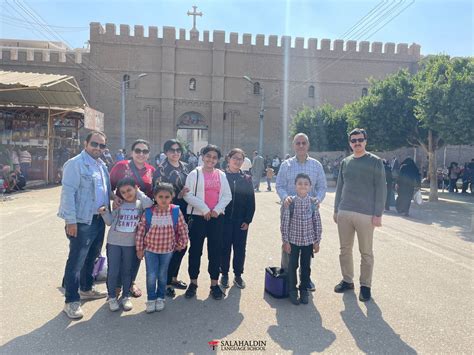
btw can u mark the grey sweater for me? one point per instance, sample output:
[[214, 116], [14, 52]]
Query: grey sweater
[[361, 185], [124, 220]]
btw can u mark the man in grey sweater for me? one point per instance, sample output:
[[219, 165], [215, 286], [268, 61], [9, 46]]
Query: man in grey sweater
[[359, 204]]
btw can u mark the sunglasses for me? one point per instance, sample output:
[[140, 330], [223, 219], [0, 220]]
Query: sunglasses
[[355, 140], [140, 151], [177, 150], [95, 145]]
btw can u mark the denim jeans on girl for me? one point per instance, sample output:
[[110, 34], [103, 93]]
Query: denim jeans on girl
[[119, 268], [156, 274]]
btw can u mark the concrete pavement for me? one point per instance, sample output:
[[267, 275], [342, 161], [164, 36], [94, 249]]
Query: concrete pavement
[[422, 291]]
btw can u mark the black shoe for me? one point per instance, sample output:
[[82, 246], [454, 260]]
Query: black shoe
[[304, 296], [294, 298], [216, 292], [191, 291], [239, 282], [225, 281], [343, 286], [170, 292], [180, 285], [311, 287], [364, 295]]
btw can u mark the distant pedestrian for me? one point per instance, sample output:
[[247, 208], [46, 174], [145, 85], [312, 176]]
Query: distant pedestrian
[[408, 180], [246, 166], [25, 162], [258, 167], [269, 172], [358, 208]]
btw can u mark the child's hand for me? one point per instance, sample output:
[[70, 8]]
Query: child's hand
[[287, 248], [140, 254], [102, 210], [316, 248], [214, 214]]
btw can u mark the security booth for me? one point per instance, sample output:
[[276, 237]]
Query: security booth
[[44, 113]]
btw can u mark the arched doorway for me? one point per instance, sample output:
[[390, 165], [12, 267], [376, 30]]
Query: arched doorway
[[193, 130]]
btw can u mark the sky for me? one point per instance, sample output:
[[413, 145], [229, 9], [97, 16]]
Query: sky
[[438, 26]]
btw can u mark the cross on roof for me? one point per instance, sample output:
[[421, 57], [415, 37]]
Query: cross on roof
[[194, 14]]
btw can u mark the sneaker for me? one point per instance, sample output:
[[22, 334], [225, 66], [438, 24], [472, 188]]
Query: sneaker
[[150, 306], [73, 310], [92, 294], [311, 287], [304, 296], [180, 285], [343, 286], [294, 298], [160, 304], [170, 292], [191, 291], [216, 292], [127, 304], [239, 282], [364, 295], [113, 304], [225, 281]]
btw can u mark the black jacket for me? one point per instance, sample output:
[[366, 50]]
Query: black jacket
[[242, 206]]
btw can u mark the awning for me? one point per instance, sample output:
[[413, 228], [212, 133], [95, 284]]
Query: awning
[[36, 89]]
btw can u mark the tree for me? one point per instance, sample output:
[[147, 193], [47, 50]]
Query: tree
[[434, 107], [325, 127]]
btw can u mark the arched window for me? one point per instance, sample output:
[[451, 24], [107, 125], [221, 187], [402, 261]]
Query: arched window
[[126, 79], [256, 88], [365, 92], [192, 84], [311, 91]]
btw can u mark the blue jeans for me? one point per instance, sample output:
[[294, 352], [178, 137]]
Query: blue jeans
[[156, 270], [83, 250], [119, 268]]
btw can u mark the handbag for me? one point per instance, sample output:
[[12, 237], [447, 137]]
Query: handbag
[[418, 198], [276, 282], [190, 218], [137, 175]]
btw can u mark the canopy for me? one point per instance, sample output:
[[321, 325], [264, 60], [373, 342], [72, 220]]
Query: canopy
[[39, 90]]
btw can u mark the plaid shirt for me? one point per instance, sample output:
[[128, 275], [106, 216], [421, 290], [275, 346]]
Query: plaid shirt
[[161, 238], [305, 226]]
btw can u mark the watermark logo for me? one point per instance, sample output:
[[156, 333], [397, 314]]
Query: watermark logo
[[238, 345], [213, 344]]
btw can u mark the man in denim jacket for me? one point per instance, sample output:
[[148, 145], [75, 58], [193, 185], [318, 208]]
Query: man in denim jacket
[[86, 188]]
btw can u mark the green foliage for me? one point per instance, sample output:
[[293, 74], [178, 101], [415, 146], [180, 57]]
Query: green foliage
[[325, 127]]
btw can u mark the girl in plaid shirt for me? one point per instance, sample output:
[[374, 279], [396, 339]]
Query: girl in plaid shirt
[[157, 242], [301, 233]]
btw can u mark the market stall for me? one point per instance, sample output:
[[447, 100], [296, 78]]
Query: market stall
[[44, 113]]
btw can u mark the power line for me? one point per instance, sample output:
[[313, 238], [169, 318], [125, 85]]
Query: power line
[[60, 28]]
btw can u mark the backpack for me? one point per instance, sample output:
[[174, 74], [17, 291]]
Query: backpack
[[174, 210]]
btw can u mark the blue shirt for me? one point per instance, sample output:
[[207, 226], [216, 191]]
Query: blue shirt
[[285, 182], [101, 193]]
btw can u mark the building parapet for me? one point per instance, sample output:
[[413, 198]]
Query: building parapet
[[15, 53]]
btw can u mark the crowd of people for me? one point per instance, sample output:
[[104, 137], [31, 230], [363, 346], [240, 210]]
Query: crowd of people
[[164, 212]]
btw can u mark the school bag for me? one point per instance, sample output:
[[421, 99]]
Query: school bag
[[276, 282], [99, 273], [174, 210]]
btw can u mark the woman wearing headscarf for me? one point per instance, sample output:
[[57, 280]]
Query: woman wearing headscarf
[[408, 180]]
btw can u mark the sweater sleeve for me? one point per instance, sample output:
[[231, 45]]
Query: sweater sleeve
[[380, 188], [340, 184], [191, 197], [226, 194]]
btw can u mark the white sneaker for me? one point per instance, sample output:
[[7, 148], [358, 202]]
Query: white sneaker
[[150, 306], [160, 304], [92, 294], [73, 310], [127, 304], [113, 304]]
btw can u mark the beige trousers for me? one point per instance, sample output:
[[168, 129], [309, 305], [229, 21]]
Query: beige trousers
[[347, 224]]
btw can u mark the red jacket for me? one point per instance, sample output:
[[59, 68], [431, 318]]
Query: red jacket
[[122, 170]]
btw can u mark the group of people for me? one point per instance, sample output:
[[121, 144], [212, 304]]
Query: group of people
[[14, 168], [461, 177], [155, 213]]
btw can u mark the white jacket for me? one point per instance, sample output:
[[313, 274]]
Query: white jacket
[[197, 200]]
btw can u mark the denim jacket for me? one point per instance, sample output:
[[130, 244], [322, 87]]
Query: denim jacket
[[78, 192]]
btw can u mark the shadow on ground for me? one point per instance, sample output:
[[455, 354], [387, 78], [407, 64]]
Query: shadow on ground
[[298, 328], [185, 326], [373, 335]]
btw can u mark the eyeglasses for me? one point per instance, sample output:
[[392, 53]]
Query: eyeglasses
[[95, 145], [355, 140], [173, 150], [236, 158], [141, 151], [301, 143]]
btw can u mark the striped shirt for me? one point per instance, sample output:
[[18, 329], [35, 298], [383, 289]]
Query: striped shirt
[[161, 238], [285, 182], [305, 227]]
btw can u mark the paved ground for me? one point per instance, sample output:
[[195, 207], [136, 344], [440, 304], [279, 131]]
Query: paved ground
[[423, 286]]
